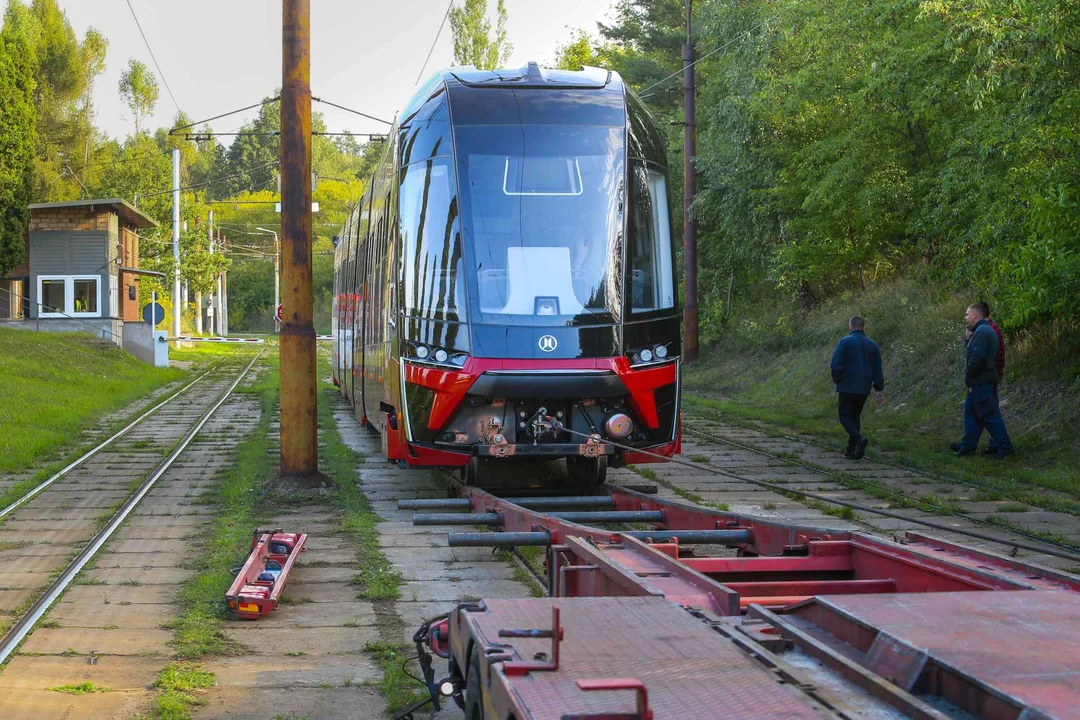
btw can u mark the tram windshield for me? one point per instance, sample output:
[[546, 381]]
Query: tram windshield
[[541, 210]]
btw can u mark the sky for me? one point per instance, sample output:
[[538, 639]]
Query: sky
[[220, 55]]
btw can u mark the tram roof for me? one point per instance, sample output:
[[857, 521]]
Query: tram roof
[[463, 80], [531, 76]]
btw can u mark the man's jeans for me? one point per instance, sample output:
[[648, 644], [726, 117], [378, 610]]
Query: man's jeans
[[850, 411], [981, 411]]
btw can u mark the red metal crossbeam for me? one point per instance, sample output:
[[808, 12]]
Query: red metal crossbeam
[[761, 565]]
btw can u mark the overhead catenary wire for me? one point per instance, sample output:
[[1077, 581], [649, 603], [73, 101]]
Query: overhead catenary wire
[[227, 114], [420, 75], [204, 183], [746, 33], [355, 112], [152, 57]]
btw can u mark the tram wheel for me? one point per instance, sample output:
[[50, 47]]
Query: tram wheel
[[470, 472], [474, 701], [588, 473]]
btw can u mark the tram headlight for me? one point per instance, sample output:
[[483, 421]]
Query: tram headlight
[[422, 351], [648, 355], [441, 355]]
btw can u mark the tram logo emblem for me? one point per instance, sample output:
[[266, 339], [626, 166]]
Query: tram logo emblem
[[548, 343]]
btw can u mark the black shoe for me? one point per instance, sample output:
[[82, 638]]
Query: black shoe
[[954, 446], [964, 453], [991, 451], [860, 448], [1004, 453]]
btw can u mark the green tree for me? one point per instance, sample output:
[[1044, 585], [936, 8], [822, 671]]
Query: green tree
[[64, 71], [17, 140], [473, 43], [582, 50], [139, 88], [253, 158]]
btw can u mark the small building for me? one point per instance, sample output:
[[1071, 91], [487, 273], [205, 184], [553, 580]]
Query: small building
[[81, 270]]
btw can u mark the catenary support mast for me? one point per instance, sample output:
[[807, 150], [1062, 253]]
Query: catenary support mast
[[690, 302], [299, 446]]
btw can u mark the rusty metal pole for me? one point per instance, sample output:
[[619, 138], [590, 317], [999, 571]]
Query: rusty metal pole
[[299, 443], [690, 303]]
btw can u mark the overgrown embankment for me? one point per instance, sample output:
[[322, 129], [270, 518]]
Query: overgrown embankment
[[55, 385], [771, 366]]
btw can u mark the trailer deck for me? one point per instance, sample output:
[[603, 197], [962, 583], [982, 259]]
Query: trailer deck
[[777, 620]]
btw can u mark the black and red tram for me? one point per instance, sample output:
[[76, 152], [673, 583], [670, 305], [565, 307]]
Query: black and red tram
[[509, 275]]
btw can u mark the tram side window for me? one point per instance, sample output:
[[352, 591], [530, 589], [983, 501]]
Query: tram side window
[[652, 285], [431, 241]]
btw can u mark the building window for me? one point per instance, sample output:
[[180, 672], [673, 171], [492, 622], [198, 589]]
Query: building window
[[86, 296], [52, 294], [71, 295]]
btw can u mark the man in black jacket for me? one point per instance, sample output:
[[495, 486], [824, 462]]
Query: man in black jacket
[[981, 408], [856, 366]]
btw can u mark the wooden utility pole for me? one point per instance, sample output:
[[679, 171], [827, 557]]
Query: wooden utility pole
[[690, 304], [299, 442]]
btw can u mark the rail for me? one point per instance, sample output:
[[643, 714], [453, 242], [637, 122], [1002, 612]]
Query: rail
[[1047, 548], [846, 479], [94, 451], [25, 624]]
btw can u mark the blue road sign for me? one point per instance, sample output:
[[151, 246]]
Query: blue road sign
[[159, 313]]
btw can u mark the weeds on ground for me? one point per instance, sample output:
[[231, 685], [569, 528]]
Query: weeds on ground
[[80, 689], [178, 685], [650, 474], [399, 687], [377, 579], [198, 629]]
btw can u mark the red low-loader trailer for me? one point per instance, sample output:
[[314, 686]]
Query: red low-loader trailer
[[776, 621], [258, 586]]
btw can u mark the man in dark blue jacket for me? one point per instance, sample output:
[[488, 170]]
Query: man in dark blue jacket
[[856, 367], [981, 376]]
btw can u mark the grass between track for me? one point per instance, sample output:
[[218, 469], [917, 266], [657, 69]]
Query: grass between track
[[377, 580], [53, 386], [197, 632]]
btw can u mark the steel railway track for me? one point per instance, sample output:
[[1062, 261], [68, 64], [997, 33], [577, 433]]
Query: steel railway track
[[103, 445], [23, 625], [1071, 552]]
